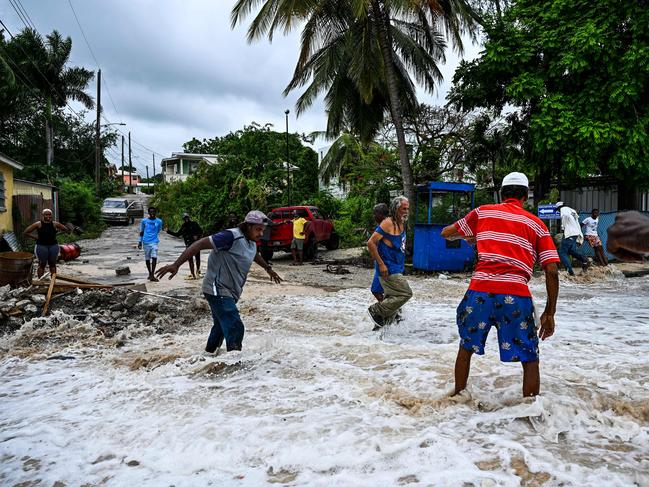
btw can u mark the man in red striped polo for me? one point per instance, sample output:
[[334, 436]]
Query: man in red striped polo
[[510, 240]]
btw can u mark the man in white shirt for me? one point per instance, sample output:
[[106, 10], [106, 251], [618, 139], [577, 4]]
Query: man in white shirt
[[590, 233], [572, 237]]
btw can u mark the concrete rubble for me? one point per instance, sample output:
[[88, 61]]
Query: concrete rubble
[[108, 310]]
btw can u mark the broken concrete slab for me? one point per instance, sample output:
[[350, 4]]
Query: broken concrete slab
[[123, 270]]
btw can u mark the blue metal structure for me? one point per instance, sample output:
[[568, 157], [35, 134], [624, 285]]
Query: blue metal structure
[[432, 252]]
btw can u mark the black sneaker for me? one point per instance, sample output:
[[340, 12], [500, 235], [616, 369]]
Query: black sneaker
[[585, 265], [378, 320]]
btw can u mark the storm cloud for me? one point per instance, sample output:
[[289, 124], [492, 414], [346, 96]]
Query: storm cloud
[[176, 70]]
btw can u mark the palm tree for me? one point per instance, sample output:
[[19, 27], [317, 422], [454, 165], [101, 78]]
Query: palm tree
[[362, 53], [44, 63]]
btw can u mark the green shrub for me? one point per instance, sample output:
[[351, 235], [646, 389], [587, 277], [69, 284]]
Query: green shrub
[[328, 205], [79, 205], [355, 222]]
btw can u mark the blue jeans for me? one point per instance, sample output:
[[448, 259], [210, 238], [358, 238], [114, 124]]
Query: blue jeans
[[569, 247], [227, 324]]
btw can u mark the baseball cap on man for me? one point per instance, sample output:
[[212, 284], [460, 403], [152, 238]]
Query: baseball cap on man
[[516, 179], [559, 204], [256, 217]]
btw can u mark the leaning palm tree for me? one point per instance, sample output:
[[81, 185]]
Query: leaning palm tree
[[44, 63], [374, 44]]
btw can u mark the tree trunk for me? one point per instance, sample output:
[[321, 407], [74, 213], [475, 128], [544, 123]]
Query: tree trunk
[[542, 183], [383, 21], [49, 140], [49, 133]]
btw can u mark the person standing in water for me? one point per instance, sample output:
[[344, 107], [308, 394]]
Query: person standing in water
[[379, 213], [509, 241], [591, 234], [232, 253], [387, 245], [47, 246]]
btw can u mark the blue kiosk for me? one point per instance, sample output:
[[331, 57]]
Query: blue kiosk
[[438, 204]]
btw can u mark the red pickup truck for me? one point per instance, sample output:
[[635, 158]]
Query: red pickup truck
[[317, 230]]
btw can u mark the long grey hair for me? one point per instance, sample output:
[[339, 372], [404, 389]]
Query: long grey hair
[[395, 204]]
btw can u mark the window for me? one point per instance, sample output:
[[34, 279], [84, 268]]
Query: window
[[316, 214], [2, 193]]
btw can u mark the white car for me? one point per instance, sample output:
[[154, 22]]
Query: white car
[[121, 210]]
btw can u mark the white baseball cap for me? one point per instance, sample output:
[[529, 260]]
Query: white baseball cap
[[256, 218], [516, 179], [559, 204]]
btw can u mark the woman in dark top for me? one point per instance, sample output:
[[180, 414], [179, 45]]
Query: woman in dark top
[[47, 247]]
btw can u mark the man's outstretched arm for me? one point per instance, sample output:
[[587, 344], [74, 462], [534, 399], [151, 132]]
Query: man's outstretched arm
[[193, 249], [274, 276]]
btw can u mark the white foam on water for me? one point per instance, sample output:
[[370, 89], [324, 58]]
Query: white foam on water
[[316, 398]]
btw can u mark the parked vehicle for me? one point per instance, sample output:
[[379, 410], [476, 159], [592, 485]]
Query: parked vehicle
[[317, 231], [121, 210]]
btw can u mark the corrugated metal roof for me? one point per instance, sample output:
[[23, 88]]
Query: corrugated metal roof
[[8, 160]]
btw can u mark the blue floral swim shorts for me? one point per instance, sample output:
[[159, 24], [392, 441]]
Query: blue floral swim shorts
[[512, 316]]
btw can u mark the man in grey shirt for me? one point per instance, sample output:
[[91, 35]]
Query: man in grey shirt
[[232, 254]]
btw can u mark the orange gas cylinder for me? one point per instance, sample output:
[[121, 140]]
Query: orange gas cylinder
[[69, 251]]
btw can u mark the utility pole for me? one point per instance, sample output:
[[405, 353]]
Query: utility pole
[[121, 169], [147, 173], [288, 164], [130, 166], [153, 156], [97, 135]]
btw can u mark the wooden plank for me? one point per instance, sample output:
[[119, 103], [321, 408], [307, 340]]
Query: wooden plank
[[49, 295], [78, 280], [66, 285]]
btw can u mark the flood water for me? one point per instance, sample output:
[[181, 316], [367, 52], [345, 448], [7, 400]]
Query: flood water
[[317, 399]]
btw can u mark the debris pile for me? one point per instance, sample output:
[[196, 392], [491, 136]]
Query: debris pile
[[18, 304], [116, 314]]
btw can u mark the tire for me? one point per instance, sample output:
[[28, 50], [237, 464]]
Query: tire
[[266, 253], [334, 241]]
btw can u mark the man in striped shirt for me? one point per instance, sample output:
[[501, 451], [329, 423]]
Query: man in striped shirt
[[510, 240]]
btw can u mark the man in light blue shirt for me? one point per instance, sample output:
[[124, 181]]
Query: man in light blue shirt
[[149, 230]]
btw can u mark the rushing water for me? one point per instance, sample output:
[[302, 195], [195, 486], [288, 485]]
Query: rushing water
[[317, 399]]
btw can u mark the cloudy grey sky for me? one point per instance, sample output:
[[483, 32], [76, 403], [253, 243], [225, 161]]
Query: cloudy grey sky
[[176, 70]]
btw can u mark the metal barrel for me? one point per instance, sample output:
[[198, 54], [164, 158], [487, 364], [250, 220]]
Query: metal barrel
[[15, 267]]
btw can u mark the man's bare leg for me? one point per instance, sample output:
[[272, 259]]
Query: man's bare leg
[[462, 368], [531, 379]]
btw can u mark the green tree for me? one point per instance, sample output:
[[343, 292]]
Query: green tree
[[362, 53], [43, 65], [34, 80], [250, 174], [577, 73]]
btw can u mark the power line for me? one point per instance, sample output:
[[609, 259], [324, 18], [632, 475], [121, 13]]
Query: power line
[[40, 72], [26, 14], [110, 96], [21, 16], [27, 79]]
